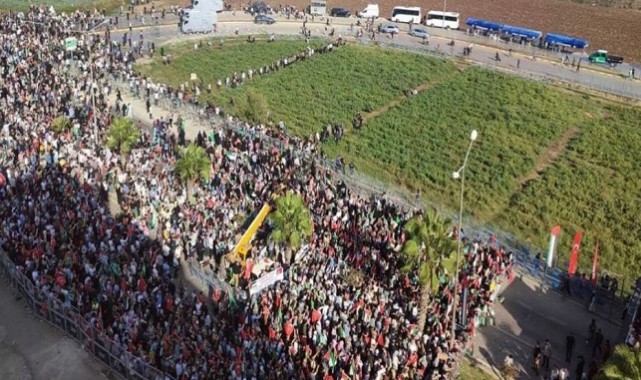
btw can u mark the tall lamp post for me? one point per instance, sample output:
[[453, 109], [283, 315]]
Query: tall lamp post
[[460, 173]]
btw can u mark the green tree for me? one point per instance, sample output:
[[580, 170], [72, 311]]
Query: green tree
[[623, 364], [60, 124], [428, 251], [257, 108], [193, 164], [122, 136], [291, 223]]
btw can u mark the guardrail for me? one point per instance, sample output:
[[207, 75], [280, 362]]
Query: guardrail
[[87, 334]]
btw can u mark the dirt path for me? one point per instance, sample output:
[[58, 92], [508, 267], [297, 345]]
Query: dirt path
[[549, 156], [425, 86], [377, 112]]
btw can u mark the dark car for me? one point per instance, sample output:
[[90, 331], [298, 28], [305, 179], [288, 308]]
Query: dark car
[[260, 8], [264, 19], [340, 12]]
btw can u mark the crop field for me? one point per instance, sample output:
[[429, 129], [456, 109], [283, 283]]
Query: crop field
[[545, 156], [422, 141], [211, 63], [593, 185], [62, 5], [332, 88]]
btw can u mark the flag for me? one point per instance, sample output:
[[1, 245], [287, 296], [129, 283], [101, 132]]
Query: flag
[[332, 359], [556, 230], [595, 263], [231, 300], [574, 255]]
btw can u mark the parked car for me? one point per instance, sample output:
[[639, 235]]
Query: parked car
[[389, 28], [340, 12], [420, 33], [260, 7], [264, 19]]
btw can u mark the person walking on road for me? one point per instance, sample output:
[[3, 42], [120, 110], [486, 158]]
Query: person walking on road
[[536, 357], [569, 347], [598, 342], [580, 365], [518, 63], [546, 351], [591, 331]]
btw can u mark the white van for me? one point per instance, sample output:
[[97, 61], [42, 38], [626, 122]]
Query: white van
[[371, 10]]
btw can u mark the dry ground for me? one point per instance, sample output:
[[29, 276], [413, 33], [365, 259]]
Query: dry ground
[[614, 29]]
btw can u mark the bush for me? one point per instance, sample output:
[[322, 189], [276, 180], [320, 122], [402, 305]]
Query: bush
[[257, 108]]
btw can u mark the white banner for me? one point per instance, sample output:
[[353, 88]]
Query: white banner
[[266, 280]]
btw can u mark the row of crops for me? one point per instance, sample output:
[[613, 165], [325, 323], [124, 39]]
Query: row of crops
[[592, 185]]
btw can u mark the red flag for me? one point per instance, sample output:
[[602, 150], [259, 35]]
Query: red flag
[[595, 263], [289, 328], [574, 255], [248, 269], [316, 315]]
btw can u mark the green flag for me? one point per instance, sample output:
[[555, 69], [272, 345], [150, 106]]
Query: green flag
[[332, 359], [232, 300]]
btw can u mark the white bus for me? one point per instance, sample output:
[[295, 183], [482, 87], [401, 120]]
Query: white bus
[[447, 20], [406, 14], [318, 7]]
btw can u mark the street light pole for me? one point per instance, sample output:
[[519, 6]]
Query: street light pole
[[460, 174], [444, 10]]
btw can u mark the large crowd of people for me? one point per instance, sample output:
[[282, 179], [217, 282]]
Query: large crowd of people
[[120, 271]]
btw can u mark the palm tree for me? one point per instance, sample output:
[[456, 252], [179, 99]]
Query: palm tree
[[193, 164], [60, 124], [291, 223], [427, 251], [624, 364], [122, 136]]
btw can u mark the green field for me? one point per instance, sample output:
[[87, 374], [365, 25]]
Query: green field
[[212, 61], [544, 156], [333, 87], [62, 5]]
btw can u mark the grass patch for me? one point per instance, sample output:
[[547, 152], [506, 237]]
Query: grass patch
[[62, 5], [473, 372], [594, 185], [422, 141], [333, 87], [211, 63], [591, 182]]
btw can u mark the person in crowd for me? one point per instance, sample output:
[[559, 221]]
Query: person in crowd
[[120, 272]]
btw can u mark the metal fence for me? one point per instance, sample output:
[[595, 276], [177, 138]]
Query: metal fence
[[68, 320], [208, 279]]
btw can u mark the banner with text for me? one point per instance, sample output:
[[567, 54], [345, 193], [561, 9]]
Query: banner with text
[[266, 280]]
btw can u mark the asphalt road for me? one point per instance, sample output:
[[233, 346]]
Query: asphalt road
[[531, 313], [31, 349], [520, 62]]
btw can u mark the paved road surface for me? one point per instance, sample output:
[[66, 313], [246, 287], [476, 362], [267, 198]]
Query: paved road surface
[[31, 349], [530, 313], [542, 68]]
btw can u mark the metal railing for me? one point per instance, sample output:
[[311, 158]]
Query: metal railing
[[68, 320]]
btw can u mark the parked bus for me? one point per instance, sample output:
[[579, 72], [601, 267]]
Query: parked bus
[[446, 20], [406, 14]]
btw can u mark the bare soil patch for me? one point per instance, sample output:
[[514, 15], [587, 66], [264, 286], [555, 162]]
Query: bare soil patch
[[614, 29]]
